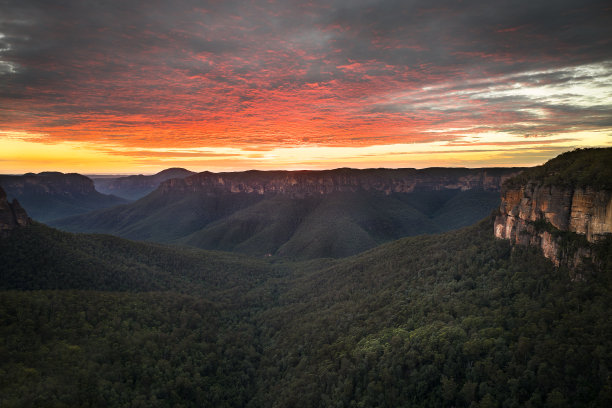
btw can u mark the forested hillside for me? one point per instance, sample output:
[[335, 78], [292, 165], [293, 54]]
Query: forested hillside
[[39, 257], [444, 320], [578, 168]]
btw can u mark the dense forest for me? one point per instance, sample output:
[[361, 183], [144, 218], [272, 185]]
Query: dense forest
[[578, 168], [458, 319]]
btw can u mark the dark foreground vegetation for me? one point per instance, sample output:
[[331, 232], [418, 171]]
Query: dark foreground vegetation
[[458, 319]]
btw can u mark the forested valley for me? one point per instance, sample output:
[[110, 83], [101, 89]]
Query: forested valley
[[458, 319]]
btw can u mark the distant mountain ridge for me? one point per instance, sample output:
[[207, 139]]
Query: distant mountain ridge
[[50, 195], [137, 186], [303, 214], [304, 183]]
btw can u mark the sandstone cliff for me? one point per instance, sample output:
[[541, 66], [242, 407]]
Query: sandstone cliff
[[12, 215], [306, 183], [547, 211]]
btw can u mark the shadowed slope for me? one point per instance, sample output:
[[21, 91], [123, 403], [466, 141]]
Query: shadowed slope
[[39, 257], [332, 213]]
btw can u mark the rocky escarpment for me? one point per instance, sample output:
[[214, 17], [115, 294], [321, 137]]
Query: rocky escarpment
[[307, 183], [49, 183], [50, 195], [536, 214], [12, 215], [562, 217]]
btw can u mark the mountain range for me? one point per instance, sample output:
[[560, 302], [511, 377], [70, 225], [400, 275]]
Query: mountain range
[[301, 214], [455, 319]]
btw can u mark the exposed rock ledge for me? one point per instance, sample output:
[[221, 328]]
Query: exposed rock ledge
[[537, 215], [12, 215]]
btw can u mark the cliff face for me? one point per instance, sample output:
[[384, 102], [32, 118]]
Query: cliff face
[[583, 211], [526, 211], [308, 183], [539, 213], [12, 215]]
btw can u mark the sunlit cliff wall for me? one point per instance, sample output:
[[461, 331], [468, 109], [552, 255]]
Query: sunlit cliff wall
[[538, 212]]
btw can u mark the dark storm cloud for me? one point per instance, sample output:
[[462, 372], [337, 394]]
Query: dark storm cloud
[[61, 37], [464, 32]]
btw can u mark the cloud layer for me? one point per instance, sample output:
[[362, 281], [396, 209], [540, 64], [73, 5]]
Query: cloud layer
[[266, 74]]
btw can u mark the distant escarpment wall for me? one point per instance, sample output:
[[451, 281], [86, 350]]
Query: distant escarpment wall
[[53, 183], [307, 183]]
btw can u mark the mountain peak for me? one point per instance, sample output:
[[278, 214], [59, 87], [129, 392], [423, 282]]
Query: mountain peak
[[174, 170]]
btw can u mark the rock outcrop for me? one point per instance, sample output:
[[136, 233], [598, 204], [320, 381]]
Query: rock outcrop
[[547, 215], [12, 215], [532, 214], [308, 183]]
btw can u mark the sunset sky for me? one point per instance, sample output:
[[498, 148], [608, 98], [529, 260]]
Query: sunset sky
[[138, 86]]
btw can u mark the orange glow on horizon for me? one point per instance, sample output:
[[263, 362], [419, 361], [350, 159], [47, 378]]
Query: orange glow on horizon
[[374, 123], [23, 153]]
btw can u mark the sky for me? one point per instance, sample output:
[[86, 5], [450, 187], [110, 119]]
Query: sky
[[131, 86]]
